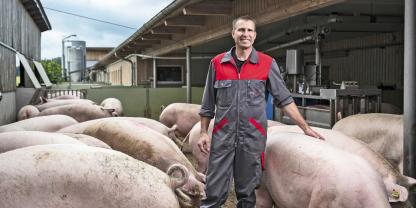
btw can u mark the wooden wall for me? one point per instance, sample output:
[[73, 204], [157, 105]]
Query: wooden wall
[[18, 30], [95, 55]]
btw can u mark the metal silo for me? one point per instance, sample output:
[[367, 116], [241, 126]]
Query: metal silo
[[76, 63]]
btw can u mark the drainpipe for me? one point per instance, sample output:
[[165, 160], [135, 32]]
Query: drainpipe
[[132, 67], [409, 94]]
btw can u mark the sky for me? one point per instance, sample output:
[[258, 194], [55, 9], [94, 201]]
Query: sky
[[131, 13]]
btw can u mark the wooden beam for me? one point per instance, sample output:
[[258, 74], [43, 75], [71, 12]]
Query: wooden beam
[[141, 45], [212, 7], [122, 52], [145, 42], [265, 17], [136, 47], [366, 27], [186, 21], [151, 36], [168, 30]]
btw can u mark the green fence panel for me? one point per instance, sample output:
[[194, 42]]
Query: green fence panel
[[133, 99], [135, 102]]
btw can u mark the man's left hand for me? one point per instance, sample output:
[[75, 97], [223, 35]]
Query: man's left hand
[[310, 132]]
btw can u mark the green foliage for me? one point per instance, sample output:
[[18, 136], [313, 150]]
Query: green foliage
[[53, 69]]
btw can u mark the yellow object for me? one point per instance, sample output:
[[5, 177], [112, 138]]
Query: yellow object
[[395, 193]]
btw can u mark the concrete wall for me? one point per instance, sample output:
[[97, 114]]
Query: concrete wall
[[8, 108], [23, 97]]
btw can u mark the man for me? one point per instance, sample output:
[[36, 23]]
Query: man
[[235, 90]]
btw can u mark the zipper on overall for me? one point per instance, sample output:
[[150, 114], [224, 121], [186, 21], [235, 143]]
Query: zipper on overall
[[238, 104]]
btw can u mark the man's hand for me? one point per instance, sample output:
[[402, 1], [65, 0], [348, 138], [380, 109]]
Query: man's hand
[[292, 111], [204, 143], [310, 132]]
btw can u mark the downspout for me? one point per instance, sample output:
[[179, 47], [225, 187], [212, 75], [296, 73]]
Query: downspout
[[132, 66]]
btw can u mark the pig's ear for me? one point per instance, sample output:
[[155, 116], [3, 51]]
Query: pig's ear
[[398, 193], [110, 110], [178, 175]]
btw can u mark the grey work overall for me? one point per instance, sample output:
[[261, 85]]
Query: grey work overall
[[237, 100]]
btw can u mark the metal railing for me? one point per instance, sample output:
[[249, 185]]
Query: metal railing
[[50, 94]]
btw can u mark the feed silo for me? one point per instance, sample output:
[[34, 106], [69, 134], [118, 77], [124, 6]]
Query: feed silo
[[75, 62]]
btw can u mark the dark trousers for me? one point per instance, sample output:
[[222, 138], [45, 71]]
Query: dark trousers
[[235, 162]]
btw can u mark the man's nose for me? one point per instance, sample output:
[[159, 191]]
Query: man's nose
[[245, 32]]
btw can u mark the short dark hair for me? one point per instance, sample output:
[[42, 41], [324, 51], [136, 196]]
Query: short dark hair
[[246, 18]]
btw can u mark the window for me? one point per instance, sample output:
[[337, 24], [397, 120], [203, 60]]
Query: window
[[29, 71], [169, 74]]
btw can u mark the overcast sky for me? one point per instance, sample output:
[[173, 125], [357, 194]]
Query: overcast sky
[[131, 13]]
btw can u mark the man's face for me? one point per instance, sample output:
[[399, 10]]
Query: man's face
[[244, 34]]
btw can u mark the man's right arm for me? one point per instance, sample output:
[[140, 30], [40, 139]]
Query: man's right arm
[[207, 111], [204, 143], [208, 98]]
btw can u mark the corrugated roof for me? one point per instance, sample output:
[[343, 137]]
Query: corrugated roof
[[35, 9], [136, 37]]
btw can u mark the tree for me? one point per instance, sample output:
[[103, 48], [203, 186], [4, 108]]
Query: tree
[[53, 69]]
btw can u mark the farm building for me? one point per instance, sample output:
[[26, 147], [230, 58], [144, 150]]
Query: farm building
[[93, 55], [347, 55], [339, 59], [354, 43], [21, 25]]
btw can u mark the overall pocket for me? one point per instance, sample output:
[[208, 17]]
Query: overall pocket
[[255, 92], [224, 92], [255, 137]]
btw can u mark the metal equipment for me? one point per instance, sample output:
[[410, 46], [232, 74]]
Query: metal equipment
[[326, 109], [294, 67]]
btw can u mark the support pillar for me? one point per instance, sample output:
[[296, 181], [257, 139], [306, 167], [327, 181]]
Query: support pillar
[[409, 102], [188, 75]]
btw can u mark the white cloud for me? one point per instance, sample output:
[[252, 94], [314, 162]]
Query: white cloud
[[132, 13]]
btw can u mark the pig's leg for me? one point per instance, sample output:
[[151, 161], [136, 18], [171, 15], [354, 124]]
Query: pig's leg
[[321, 198], [263, 198]]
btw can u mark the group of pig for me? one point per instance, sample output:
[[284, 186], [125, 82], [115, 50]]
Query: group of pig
[[358, 165], [59, 161], [56, 161], [79, 109]]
